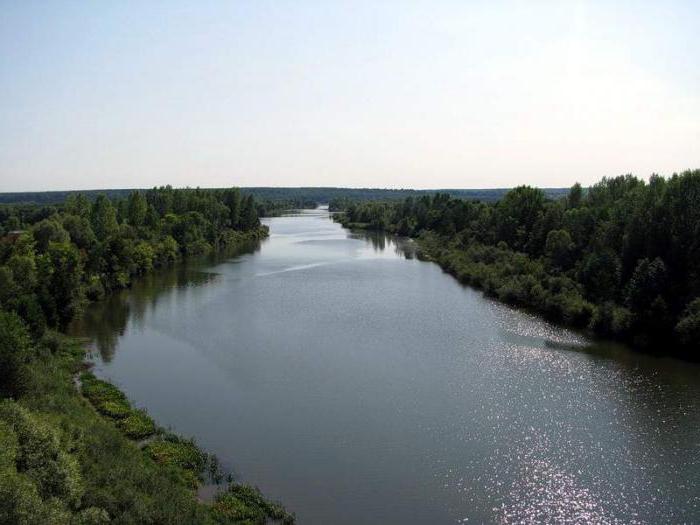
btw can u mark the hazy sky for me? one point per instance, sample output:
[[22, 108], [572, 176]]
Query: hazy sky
[[429, 94]]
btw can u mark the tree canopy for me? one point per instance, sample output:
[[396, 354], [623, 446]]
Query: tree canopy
[[621, 257]]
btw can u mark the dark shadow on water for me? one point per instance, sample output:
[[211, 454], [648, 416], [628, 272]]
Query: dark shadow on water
[[105, 321], [403, 246]]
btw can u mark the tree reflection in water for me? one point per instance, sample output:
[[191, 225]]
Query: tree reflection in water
[[105, 321]]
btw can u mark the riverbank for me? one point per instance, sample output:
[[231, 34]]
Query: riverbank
[[519, 280], [336, 363], [74, 450], [79, 452]]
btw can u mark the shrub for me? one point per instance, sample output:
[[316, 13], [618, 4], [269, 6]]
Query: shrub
[[245, 504], [105, 397], [178, 452], [52, 341], [114, 409], [137, 425], [39, 455]]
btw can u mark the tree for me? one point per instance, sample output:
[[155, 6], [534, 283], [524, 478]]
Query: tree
[[688, 328], [600, 274], [47, 231], [575, 197], [249, 215], [14, 354], [78, 204], [80, 231], [519, 210], [8, 286], [232, 199], [137, 208], [103, 218], [559, 247], [647, 283], [60, 273]]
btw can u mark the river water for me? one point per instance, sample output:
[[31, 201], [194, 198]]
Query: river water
[[357, 384]]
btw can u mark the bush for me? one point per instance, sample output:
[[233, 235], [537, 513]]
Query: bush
[[137, 425], [105, 397], [38, 455], [245, 504], [52, 341], [175, 451]]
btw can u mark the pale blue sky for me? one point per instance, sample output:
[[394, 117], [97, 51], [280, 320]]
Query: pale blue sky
[[423, 94]]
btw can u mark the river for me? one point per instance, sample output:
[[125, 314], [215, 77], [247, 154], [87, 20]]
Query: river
[[357, 384]]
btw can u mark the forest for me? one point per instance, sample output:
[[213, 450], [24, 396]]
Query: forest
[[73, 450], [621, 258], [270, 200]]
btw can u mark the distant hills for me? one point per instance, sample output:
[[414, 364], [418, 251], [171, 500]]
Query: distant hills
[[316, 194]]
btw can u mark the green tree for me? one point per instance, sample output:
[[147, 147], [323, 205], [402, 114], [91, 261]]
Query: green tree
[[575, 197], [80, 231], [559, 248], [519, 210], [8, 287], [78, 204], [103, 218], [249, 215], [60, 272], [14, 354], [647, 283], [137, 209], [232, 200], [47, 231], [688, 328], [600, 274]]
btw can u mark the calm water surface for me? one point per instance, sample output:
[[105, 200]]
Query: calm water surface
[[357, 384]]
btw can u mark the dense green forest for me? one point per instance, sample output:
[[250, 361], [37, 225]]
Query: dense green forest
[[73, 450], [621, 258], [269, 200]]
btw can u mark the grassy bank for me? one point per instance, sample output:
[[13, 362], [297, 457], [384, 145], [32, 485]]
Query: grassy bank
[[78, 452]]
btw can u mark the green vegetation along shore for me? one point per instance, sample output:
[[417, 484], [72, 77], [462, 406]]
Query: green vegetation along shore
[[73, 449], [621, 259]]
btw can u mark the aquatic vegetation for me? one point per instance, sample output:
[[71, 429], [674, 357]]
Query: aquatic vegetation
[[105, 397], [175, 451], [246, 505], [137, 425]]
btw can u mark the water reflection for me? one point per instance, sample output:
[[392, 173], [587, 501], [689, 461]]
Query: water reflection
[[402, 246], [104, 322]]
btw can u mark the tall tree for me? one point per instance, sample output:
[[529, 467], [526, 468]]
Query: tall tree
[[137, 208], [103, 218]]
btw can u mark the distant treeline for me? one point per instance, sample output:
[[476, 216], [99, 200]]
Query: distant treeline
[[269, 198], [622, 258]]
